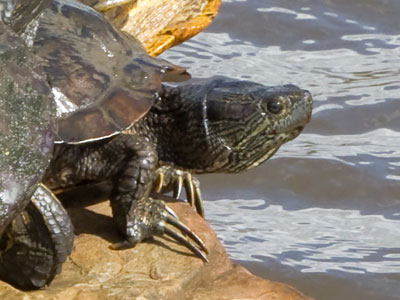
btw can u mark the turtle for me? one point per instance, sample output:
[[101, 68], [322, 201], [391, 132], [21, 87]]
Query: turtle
[[34, 227], [158, 24], [118, 122], [36, 234]]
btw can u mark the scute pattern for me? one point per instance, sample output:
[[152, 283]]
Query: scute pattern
[[91, 64]]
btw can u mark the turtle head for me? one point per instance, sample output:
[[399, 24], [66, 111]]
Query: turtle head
[[251, 121]]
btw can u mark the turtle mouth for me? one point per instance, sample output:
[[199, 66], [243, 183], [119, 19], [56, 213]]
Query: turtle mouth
[[299, 129], [287, 135], [296, 131]]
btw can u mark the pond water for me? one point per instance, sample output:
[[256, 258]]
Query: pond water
[[324, 214]]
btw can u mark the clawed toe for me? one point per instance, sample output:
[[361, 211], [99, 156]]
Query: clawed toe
[[152, 220], [200, 251], [178, 187], [126, 244], [186, 230], [159, 182], [172, 179], [183, 240], [197, 199], [189, 189], [171, 212]]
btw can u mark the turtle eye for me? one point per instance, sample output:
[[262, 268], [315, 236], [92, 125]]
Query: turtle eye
[[275, 106]]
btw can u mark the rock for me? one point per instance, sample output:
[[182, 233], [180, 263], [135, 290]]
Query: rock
[[156, 269], [161, 24]]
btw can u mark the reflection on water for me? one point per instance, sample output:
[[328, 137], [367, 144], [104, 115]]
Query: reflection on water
[[311, 240], [330, 210]]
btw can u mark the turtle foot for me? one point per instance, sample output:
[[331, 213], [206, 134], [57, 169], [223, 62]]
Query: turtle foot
[[154, 222], [36, 243], [171, 179]]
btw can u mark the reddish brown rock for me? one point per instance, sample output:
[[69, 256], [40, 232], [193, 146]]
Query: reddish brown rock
[[154, 270]]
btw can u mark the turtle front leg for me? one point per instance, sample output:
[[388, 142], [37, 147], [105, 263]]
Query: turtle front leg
[[129, 162], [171, 179], [137, 215]]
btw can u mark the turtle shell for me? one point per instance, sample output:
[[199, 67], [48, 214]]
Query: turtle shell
[[102, 80], [27, 118]]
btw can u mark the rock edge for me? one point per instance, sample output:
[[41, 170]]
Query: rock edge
[[153, 270]]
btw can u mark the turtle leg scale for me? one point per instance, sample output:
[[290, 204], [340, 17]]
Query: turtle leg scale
[[171, 179], [36, 243], [135, 212]]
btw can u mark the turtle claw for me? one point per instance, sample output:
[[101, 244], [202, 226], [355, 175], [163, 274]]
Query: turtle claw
[[151, 219], [122, 245], [159, 182], [199, 252], [186, 230], [171, 212], [183, 240], [178, 187], [189, 189], [169, 179], [197, 200]]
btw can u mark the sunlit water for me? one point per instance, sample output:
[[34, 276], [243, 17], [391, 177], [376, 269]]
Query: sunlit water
[[324, 213]]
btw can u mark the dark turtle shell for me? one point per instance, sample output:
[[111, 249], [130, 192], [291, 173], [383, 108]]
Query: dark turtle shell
[[102, 80], [27, 117]]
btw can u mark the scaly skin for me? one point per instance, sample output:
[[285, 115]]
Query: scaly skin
[[218, 125], [37, 242], [223, 125]]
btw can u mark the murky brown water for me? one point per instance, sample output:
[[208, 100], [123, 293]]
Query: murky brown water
[[324, 214]]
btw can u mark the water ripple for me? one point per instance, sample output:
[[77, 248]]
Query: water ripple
[[312, 240], [331, 196], [380, 143], [318, 71]]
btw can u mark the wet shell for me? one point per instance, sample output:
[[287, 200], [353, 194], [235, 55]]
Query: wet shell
[[103, 80]]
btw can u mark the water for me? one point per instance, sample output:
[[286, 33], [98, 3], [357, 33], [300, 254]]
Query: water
[[324, 214]]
